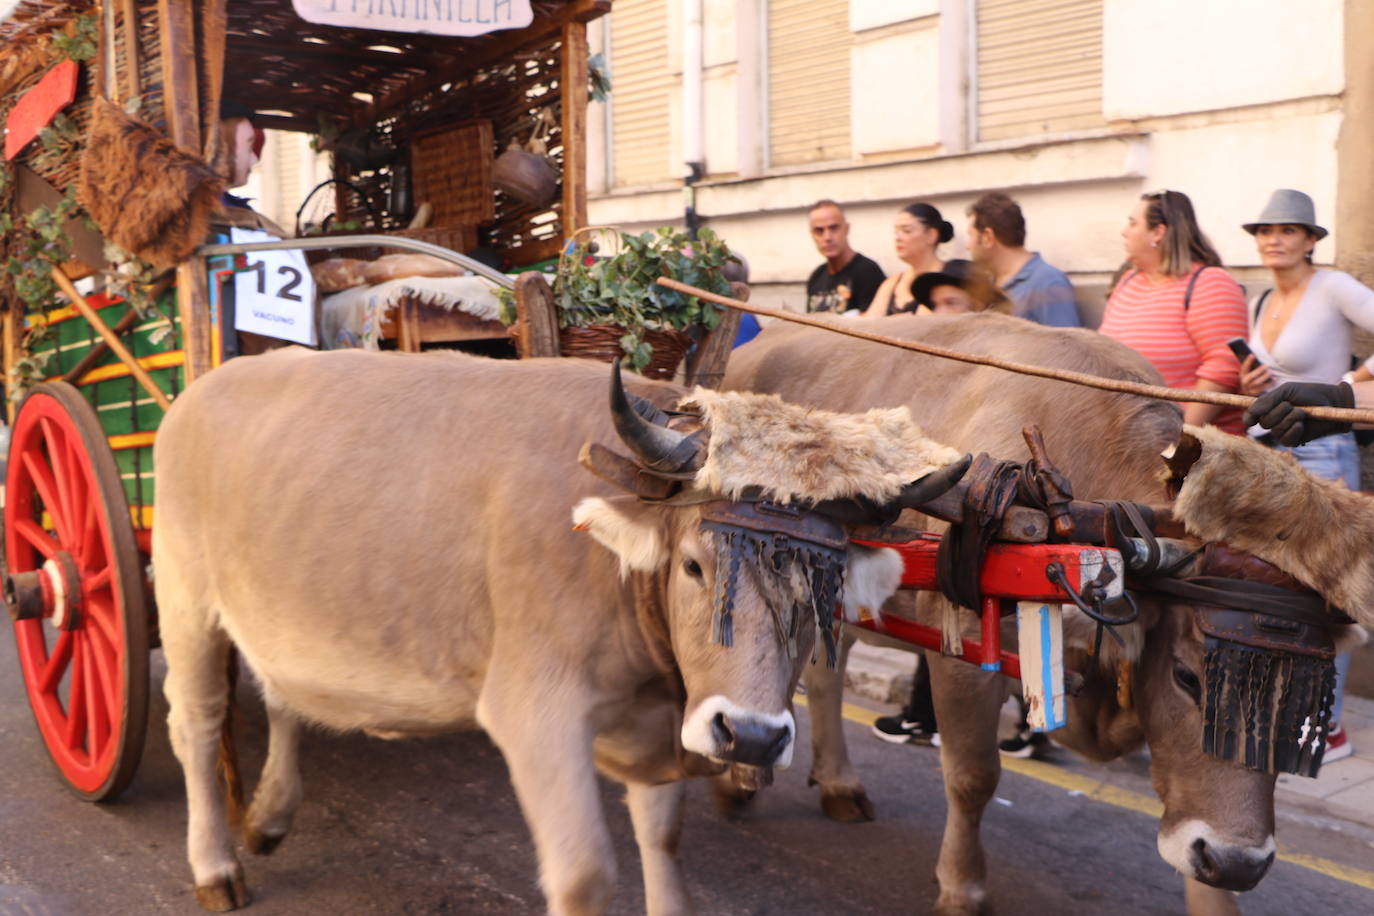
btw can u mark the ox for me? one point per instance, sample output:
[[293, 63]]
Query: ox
[[1218, 820], [386, 542]]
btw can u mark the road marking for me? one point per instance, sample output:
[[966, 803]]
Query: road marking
[[1133, 801]]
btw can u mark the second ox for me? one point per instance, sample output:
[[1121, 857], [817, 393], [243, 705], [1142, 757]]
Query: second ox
[[1218, 822]]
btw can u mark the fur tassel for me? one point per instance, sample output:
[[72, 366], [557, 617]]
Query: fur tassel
[[147, 195], [1265, 710]]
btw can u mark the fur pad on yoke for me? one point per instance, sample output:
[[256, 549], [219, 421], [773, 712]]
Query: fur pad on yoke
[[796, 452], [1261, 501]]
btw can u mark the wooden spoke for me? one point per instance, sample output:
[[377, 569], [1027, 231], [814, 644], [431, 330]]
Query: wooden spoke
[[57, 663], [97, 700], [38, 538], [60, 461], [92, 582], [89, 533], [76, 703], [104, 654], [47, 491]]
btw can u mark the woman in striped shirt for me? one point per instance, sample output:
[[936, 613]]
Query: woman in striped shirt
[[1178, 307]]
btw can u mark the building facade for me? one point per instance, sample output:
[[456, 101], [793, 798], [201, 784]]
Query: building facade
[[1074, 107]]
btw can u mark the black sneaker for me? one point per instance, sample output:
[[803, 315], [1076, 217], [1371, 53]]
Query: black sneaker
[[901, 730], [1025, 744]]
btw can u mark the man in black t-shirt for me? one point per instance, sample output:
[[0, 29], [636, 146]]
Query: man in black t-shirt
[[847, 280]]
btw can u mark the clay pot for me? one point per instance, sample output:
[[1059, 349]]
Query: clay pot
[[526, 177]]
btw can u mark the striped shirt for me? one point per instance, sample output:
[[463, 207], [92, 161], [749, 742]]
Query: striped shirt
[[1184, 346]]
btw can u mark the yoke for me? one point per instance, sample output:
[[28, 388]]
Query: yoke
[[1015, 578]]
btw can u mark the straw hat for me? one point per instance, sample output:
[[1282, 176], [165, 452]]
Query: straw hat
[[1287, 207]]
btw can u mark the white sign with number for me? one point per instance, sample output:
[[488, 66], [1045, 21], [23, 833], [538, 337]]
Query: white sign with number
[[432, 17], [275, 296]]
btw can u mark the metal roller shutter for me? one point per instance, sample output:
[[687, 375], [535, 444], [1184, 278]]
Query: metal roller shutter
[[808, 81], [1039, 67], [640, 87]]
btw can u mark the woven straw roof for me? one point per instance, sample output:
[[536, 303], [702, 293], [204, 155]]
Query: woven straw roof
[[278, 62]]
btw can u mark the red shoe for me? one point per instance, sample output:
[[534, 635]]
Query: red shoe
[[1338, 745]]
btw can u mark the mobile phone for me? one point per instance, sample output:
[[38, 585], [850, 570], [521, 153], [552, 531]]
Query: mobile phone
[[1240, 348]]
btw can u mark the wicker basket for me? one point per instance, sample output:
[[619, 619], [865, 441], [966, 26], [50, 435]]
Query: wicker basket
[[602, 342]]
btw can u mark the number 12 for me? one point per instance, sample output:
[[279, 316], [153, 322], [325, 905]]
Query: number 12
[[293, 280]]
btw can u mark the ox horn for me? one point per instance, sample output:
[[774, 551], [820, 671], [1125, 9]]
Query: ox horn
[[656, 447], [933, 485]]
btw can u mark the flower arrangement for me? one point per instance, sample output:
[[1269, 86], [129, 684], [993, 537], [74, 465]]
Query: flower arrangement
[[621, 290]]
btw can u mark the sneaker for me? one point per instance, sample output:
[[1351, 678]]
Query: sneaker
[[901, 730], [1338, 745], [1025, 744]]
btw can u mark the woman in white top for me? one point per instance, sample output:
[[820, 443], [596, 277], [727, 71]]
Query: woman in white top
[[1302, 330]]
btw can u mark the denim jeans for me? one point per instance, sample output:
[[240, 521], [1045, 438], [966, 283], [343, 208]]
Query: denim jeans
[[1334, 458]]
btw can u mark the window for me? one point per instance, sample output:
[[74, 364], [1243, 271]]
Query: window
[[1039, 67], [640, 93], [808, 81]]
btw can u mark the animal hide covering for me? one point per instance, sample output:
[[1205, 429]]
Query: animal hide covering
[[1261, 501], [147, 195], [795, 452]]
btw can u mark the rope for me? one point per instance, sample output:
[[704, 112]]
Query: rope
[[1158, 392]]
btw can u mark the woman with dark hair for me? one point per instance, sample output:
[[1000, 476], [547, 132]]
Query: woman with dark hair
[[1178, 306], [917, 232], [1302, 329]]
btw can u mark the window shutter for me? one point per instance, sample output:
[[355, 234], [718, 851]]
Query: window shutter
[[1039, 67], [640, 87], [808, 81]]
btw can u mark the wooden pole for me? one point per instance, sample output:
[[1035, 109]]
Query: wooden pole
[[11, 348], [97, 352], [1158, 392], [128, 13], [178, 44], [109, 336], [572, 83], [177, 41]]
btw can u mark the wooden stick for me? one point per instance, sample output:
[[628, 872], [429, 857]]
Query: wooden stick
[[99, 350], [1158, 392], [117, 345], [129, 320]]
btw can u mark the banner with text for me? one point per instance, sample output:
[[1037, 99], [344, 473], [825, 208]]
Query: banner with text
[[433, 17]]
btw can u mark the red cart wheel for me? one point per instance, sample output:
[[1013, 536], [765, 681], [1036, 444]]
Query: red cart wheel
[[75, 590]]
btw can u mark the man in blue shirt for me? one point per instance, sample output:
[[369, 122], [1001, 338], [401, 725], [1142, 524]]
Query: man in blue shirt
[[997, 242]]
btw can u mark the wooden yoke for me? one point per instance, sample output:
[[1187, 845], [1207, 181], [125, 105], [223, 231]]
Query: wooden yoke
[[706, 364], [536, 323]]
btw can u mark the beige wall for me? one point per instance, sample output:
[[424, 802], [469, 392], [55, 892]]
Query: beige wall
[[1213, 117]]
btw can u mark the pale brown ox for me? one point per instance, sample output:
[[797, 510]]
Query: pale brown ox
[[1218, 820], [388, 542]]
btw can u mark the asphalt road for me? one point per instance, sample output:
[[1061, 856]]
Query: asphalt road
[[432, 827]]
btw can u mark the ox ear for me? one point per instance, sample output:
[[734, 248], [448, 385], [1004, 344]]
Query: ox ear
[[873, 576], [630, 529]]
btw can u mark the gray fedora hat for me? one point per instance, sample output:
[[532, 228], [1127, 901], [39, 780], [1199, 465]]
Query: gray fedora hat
[[1287, 207]]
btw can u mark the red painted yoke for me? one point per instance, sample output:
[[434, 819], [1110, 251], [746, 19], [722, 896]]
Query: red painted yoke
[[1011, 573]]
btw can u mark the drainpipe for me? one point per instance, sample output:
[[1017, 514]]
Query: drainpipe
[[693, 112]]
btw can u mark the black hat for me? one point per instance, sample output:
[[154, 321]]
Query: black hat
[[956, 272], [228, 108]]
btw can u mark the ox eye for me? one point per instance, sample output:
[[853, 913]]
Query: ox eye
[[692, 568], [1185, 678]]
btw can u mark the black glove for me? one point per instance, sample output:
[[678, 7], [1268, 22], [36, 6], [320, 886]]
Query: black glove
[[1280, 411]]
